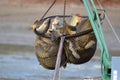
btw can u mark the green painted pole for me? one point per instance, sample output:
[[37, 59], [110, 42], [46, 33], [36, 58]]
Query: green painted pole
[[97, 27]]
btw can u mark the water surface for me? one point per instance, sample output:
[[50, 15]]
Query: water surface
[[20, 63]]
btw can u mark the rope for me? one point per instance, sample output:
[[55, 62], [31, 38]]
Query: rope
[[109, 22], [64, 22], [79, 34], [48, 9], [64, 10]]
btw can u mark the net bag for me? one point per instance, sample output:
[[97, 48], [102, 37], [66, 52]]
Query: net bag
[[76, 49], [81, 49]]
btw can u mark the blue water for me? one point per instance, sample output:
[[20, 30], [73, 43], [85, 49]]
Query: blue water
[[24, 66]]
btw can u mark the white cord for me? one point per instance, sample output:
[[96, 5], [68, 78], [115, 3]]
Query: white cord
[[109, 22]]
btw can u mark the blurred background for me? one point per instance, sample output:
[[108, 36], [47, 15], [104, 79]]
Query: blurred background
[[17, 58]]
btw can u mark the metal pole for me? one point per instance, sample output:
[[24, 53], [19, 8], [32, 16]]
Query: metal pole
[[57, 66]]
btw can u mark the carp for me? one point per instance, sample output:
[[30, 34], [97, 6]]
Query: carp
[[76, 50]]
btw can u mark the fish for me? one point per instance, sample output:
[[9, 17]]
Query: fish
[[41, 27]]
